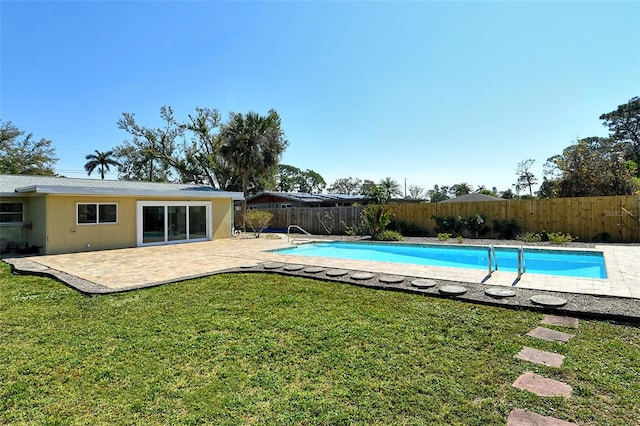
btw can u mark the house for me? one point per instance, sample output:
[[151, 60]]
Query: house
[[63, 215], [270, 200], [472, 198]]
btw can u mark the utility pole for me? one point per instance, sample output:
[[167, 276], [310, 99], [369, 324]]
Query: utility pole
[[405, 187]]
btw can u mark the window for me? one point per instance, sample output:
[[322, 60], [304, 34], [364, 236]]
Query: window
[[97, 213], [11, 213]]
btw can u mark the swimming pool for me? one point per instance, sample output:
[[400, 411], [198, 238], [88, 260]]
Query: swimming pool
[[570, 263]]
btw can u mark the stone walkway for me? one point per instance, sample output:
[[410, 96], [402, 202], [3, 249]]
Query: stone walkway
[[540, 385]]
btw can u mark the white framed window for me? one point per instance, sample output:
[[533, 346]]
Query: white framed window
[[11, 213], [96, 213]]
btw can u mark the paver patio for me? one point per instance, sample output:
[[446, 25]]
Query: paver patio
[[143, 266]]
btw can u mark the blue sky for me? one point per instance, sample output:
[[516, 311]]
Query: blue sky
[[431, 92]]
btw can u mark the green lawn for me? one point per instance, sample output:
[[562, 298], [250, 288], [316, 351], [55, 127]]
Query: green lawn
[[266, 349]]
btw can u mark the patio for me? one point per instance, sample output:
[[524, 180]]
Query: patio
[[100, 272]]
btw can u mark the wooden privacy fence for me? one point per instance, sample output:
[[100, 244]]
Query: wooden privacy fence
[[615, 218]]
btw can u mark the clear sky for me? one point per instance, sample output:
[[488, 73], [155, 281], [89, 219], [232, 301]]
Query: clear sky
[[431, 92]]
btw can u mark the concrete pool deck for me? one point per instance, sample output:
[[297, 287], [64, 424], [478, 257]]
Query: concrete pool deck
[[109, 271]]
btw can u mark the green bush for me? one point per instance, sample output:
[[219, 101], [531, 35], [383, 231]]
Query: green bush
[[449, 224], [376, 218], [530, 237], [506, 228], [257, 220], [443, 236], [408, 229], [460, 239], [560, 238], [387, 235], [476, 225]]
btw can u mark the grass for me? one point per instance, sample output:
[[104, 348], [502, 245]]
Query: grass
[[266, 349]]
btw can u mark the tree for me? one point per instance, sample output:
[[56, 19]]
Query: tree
[[203, 162], [416, 192], [460, 189], [24, 155], [526, 179], [483, 190], [290, 178], [624, 125], [438, 193], [101, 161], [348, 186], [253, 145], [507, 194], [390, 188], [152, 154], [592, 167]]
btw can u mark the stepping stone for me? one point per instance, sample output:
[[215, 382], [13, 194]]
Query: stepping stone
[[423, 283], [272, 265], [519, 417], [293, 267], [542, 386], [337, 272], [313, 270], [499, 293], [391, 279], [548, 301], [550, 335], [249, 265], [453, 290], [362, 276], [550, 359], [560, 321]]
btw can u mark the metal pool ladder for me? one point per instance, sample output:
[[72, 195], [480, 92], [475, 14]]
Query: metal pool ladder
[[522, 267], [296, 227], [491, 253]]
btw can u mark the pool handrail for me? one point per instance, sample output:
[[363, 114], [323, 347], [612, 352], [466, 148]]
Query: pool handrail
[[492, 252], [522, 266], [297, 227]]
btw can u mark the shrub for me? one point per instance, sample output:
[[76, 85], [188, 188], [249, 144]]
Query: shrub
[[475, 225], [506, 228], [449, 224], [387, 235], [560, 238], [530, 237], [257, 220], [443, 236], [408, 229], [376, 218], [460, 239]]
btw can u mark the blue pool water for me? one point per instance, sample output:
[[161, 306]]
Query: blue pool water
[[586, 264]]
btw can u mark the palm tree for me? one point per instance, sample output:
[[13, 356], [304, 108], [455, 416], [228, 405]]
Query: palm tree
[[101, 161], [390, 188], [252, 144]]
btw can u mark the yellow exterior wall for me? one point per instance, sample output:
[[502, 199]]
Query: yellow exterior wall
[[36, 217], [222, 211], [65, 236]]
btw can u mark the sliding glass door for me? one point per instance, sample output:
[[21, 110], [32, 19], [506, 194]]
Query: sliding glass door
[[172, 221]]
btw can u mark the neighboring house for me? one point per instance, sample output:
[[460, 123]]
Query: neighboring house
[[270, 200], [63, 215], [470, 198]]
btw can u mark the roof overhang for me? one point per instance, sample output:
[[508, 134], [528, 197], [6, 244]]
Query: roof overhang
[[93, 191]]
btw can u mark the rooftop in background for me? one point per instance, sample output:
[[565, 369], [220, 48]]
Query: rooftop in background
[[470, 198], [15, 185], [269, 199]]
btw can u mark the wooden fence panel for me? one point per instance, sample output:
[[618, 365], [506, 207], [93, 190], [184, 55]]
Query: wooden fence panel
[[615, 217]]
